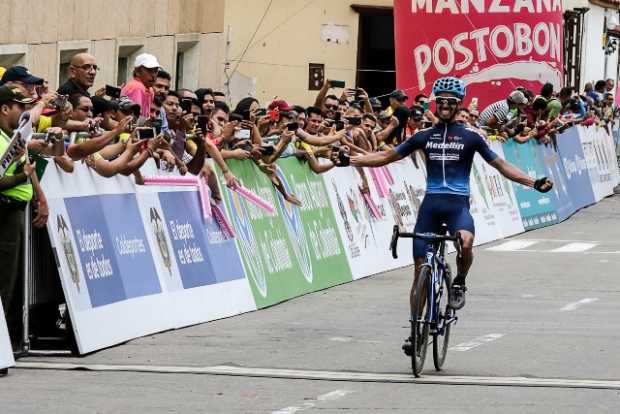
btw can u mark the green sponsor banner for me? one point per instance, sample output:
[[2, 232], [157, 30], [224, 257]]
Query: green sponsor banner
[[293, 250]]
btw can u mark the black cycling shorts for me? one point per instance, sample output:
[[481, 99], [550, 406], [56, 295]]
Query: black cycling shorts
[[436, 209]]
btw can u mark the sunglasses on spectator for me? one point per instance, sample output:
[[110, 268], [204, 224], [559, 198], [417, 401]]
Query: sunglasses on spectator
[[447, 100], [87, 67], [332, 107]]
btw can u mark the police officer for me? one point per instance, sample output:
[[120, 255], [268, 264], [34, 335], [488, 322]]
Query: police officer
[[16, 191]]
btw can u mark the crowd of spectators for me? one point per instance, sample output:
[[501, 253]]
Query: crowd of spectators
[[116, 129]]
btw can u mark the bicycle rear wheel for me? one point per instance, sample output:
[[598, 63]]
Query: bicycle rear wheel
[[419, 323], [445, 313]]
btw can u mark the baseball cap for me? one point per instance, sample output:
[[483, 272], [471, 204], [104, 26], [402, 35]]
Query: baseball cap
[[399, 94], [147, 60], [416, 113], [281, 104], [517, 97], [13, 94], [21, 74], [375, 103]]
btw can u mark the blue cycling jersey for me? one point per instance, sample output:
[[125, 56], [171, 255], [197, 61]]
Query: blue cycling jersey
[[449, 150]]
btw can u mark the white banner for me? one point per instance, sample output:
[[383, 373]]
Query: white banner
[[602, 165], [6, 350], [134, 261], [366, 239]]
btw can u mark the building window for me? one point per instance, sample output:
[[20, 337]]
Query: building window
[[126, 56], [187, 65], [12, 59]]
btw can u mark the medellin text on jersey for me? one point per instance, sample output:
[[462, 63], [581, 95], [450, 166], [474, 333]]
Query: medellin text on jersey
[[449, 150]]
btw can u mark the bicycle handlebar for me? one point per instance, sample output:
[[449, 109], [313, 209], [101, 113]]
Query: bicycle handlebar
[[431, 237]]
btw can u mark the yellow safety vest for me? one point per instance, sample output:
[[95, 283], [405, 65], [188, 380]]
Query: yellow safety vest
[[21, 192]]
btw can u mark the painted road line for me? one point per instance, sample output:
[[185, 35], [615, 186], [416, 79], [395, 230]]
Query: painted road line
[[330, 396], [575, 305], [335, 375], [476, 342], [573, 248], [350, 339], [512, 245]]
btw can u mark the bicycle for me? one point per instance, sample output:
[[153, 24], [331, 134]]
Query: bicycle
[[437, 319]]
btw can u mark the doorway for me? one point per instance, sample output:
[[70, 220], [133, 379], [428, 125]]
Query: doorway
[[375, 51]]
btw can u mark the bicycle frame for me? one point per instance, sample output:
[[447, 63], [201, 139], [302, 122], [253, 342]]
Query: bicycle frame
[[435, 259]]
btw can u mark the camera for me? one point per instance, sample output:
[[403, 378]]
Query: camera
[[59, 102], [266, 149], [354, 120], [112, 91]]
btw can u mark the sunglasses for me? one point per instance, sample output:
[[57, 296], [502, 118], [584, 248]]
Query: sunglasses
[[332, 107], [444, 100]]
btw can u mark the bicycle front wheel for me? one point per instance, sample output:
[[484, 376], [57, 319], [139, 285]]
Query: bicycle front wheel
[[445, 313], [420, 324]]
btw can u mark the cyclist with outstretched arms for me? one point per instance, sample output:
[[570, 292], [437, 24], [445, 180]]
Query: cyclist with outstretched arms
[[449, 147]]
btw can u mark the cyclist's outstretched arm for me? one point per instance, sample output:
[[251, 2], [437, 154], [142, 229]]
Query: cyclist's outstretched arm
[[511, 172], [375, 159]]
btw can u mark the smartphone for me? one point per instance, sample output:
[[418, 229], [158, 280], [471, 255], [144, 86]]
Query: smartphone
[[145, 133], [246, 115], [267, 149], [339, 125], [261, 112], [354, 120], [292, 126], [243, 134], [336, 84], [113, 91], [235, 117], [202, 121], [186, 105]]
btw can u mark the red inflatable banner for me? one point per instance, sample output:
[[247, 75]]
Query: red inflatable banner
[[493, 45]]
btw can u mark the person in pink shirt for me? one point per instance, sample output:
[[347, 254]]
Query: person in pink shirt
[[140, 88]]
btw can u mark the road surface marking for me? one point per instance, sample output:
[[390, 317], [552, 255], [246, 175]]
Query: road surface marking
[[513, 245], [527, 296], [334, 375], [573, 248], [575, 305], [349, 339], [476, 342], [330, 396]]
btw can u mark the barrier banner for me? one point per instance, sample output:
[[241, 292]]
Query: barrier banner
[[577, 177], [366, 239], [554, 170], [481, 206], [500, 194], [597, 159], [279, 249], [493, 46], [6, 350], [537, 209], [124, 259]]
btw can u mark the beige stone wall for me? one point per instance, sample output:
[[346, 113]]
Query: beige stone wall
[[103, 28], [288, 39]]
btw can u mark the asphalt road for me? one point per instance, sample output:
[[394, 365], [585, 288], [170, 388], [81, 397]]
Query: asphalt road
[[539, 334]]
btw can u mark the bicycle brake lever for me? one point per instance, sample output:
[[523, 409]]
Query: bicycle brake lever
[[394, 241]]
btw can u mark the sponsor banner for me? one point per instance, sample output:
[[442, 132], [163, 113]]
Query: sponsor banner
[[537, 209], [276, 248], [502, 194], [312, 227], [481, 205], [577, 177], [597, 159], [125, 259], [366, 239], [554, 170], [6, 350], [493, 46]]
